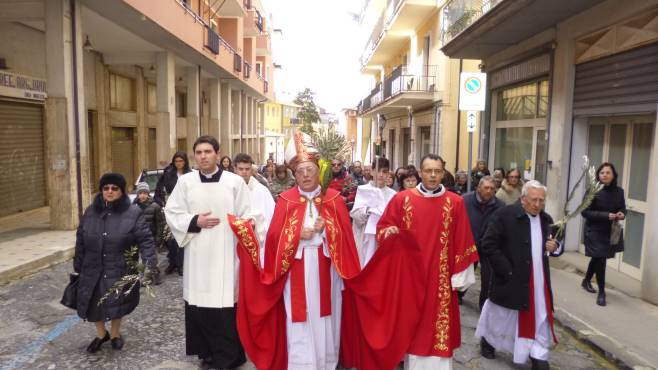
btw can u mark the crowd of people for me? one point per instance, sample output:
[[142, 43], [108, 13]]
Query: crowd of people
[[305, 299]]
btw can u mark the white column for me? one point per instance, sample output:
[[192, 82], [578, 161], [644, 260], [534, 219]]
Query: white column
[[649, 288], [193, 120], [166, 107], [215, 93], [225, 118]]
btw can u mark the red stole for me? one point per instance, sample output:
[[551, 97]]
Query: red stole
[[298, 289], [527, 319]]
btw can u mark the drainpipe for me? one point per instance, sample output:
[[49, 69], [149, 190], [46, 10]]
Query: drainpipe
[[76, 113], [459, 121]]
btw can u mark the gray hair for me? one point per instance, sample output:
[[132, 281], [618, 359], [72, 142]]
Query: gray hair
[[532, 184], [486, 178]]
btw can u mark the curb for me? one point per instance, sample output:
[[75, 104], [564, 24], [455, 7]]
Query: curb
[[36, 265], [606, 346]]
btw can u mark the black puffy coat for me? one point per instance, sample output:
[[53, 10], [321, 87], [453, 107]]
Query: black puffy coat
[[104, 235], [165, 185], [506, 245], [152, 216], [597, 224]]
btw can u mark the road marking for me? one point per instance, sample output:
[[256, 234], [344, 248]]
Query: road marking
[[31, 349]]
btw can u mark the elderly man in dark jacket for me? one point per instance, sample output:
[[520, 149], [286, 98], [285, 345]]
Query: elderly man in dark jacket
[[518, 315], [109, 228], [480, 205]]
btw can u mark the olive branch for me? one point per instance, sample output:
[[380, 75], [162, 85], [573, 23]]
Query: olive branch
[[137, 273]]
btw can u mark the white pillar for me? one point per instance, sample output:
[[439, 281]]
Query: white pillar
[[166, 107], [193, 120], [215, 93], [649, 288]]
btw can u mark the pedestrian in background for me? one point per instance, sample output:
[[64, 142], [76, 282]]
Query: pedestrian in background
[[479, 171], [357, 173], [108, 229], [226, 164], [399, 172], [480, 206], [282, 181], [343, 182], [510, 188], [461, 183], [179, 166], [448, 179], [408, 179], [154, 218], [498, 176], [367, 173], [602, 215]]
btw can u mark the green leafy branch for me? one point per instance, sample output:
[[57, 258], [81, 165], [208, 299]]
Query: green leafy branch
[[137, 273]]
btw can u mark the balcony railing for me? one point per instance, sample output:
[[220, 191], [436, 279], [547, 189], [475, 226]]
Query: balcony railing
[[259, 21], [458, 15], [212, 40], [266, 86], [237, 62], [402, 79], [247, 4], [247, 70]]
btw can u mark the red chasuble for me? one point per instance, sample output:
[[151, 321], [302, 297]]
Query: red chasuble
[[441, 228], [381, 305]]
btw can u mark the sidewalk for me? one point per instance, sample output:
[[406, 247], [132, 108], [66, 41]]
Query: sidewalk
[[623, 331], [27, 244]]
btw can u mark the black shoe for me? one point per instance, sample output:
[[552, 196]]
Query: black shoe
[[117, 343], [539, 364], [600, 300], [180, 271], [95, 344], [487, 350], [587, 285], [170, 269]]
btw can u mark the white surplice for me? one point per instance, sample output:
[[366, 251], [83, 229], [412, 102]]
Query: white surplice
[[210, 266], [368, 208], [314, 343], [262, 206], [499, 325]]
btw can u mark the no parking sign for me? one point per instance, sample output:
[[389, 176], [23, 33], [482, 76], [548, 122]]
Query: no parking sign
[[472, 91]]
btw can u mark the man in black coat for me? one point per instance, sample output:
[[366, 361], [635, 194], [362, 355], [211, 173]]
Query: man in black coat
[[518, 315], [153, 217], [480, 206]]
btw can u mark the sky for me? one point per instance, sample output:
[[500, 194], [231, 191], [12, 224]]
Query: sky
[[319, 48]]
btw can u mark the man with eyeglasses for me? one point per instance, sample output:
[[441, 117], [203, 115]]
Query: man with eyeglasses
[[435, 220], [343, 182], [518, 315]]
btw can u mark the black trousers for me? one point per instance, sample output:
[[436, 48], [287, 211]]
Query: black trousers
[[211, 333], [486, 273], [176, 254], [597, 266]]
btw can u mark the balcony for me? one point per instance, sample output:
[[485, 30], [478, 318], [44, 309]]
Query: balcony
[[402, 88], [477, 29], [247, 4], [263, 45], [212, 40], [253, 23], [237, 62], [397, 22]]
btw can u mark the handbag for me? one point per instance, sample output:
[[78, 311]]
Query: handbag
[[615, 232], [70, 296]]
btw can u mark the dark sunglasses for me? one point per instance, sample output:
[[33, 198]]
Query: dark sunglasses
[[110, 187]]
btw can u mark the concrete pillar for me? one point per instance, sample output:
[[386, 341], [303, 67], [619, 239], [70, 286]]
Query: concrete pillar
[[215, 95], [193, 114], [142, 127], [102, 107], [412, 136], [240, 122], [225, 119], [166, 107], [68, 190], [649, 288]]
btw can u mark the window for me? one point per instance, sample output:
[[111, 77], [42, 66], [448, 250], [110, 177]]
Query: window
[[523, 102], [151, 98], [122, 93], [181, 104]]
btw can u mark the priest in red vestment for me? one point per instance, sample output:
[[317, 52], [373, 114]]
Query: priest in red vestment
[[309, 304], [436, 220]]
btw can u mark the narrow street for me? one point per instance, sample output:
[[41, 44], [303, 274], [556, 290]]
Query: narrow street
[[36, 332]]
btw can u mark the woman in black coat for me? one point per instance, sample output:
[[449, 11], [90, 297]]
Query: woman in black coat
[[109, 228], [607, 207], [179, 165]]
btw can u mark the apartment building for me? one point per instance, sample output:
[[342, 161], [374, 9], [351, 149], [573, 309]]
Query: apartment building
[[568, 79], [412, 109], [88, 87]]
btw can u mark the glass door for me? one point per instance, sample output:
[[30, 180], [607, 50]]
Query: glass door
[[626, 142]]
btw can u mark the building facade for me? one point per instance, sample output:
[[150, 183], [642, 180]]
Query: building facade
[[412, 109], [88, 87], [580, 79]]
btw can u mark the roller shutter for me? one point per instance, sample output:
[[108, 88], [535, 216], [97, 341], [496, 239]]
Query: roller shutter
[[22, 179]]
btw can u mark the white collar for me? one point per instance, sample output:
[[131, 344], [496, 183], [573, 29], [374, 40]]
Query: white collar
[[211, 174], [431, 194], [310, 194]]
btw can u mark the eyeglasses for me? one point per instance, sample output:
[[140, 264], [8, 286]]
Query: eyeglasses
[[335, 165], [430, 171], [513, 177], [110, 187]]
